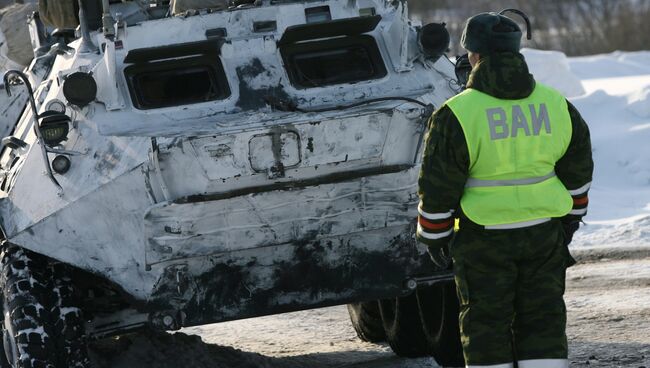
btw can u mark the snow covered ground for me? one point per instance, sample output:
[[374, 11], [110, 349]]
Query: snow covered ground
[[612, 92]]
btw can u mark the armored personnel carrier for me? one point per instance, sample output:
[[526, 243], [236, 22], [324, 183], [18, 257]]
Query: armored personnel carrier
[[174, 165]]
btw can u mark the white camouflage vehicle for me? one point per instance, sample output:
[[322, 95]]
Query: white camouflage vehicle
[[169, 168]]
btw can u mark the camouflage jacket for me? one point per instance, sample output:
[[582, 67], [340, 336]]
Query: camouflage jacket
[[445, 166]]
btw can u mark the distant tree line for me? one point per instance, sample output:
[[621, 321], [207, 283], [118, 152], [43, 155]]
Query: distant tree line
[[577, 27]]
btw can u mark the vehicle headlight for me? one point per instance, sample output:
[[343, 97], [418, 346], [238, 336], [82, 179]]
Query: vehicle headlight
[[54, 127]]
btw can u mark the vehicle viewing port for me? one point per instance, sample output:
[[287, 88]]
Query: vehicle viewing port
[[158, 76], [333, 61]]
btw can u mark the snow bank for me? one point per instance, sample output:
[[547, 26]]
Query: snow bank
[[620, 132], [616, 64], [615, 102], [623, 233], [612, 92], [639, 103], [552, 68], [617, 109]]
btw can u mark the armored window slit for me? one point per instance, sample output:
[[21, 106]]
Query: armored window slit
[[265, 26], [333, 61], [176, 82], [318, 14]]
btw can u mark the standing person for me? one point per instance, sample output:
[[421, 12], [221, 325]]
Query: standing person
[[511, 158]]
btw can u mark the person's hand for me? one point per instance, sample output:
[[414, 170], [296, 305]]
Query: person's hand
[[569, 229], [440, 257]]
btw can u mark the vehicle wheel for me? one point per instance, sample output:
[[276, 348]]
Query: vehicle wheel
[[403, 327], [366, 320], [27, 330], [68, 322], [42, 325], [439, 307]]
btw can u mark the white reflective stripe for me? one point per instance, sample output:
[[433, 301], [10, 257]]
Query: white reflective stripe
[[506, 365], [544, 363], [433, 216], [582, 190], [517, 225], [433, 236], [476, 183], [578, 212]]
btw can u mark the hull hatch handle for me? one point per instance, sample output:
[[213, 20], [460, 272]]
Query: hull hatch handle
[[155, 164]]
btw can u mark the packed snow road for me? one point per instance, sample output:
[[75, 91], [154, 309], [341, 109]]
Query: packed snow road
[[608, 299], [608, 304]]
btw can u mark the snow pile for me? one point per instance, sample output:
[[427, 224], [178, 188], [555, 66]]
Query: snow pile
[[639, 102], [632, 232], [552, 68], [616, 105], [617, 64]]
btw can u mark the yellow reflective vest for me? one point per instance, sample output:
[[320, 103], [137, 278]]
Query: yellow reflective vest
[[513, 147]]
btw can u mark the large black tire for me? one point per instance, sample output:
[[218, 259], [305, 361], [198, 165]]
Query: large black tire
[[366, 320], [439, 307], [68, 322], [42, 328], [27, 330], [403, 327]]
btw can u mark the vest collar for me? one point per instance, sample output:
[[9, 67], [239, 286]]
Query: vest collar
[[502, 75]]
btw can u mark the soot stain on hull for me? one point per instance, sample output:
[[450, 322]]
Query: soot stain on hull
[[250, 97], [305, 274]]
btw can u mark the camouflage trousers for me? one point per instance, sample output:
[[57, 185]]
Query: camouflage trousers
[[511, 285]]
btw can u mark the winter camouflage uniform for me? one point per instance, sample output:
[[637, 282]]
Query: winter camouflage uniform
[[510, 282]]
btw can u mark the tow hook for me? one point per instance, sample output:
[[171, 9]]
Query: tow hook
[[168, 320], [415, 282]]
